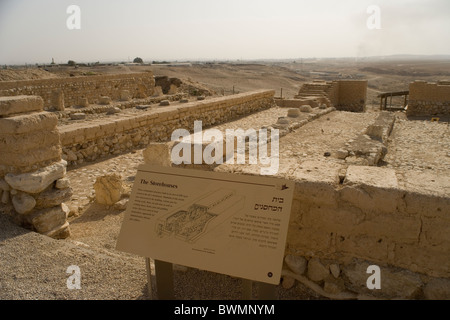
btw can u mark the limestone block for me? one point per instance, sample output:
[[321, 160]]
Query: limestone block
[[158, 91], [39, 180], [208, 150], [431, 260], [53, 197], [335, 270], [121, 205], [60, 232], [62, 183], [283, 120], [367, 246], [113, 110], [20, 104], [370, 199], [173, 89], [293, 113], [158, 154], [4, 186], [296, 263], [164, 103], [78, 116], [125, 95], [57, 99], [342, 154], [71, 156], [23, 203], [374, 181], [394, 283], [316, 270], [83, 102], [104, 100], [40, 121], [333, 285], [5, 197], [108, 189], [19, 143], [46, 220], [287, 282], [31, 157], [306, 108]]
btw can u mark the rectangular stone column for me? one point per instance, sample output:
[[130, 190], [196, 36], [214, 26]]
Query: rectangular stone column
[[32, 172]]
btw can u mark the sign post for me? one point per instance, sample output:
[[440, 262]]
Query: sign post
[[220, 222]]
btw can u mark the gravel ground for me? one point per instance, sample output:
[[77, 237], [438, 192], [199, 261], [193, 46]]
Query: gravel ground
[[419, 145], [35, 267]]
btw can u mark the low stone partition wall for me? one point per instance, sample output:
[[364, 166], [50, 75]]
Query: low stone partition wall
[[429, 99], [76, 91], [90, 140], [315, 102]]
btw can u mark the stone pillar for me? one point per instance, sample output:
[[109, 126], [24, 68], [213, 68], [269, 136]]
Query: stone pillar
[[125, 95], [83, 102], [32, 173], [58, 99]]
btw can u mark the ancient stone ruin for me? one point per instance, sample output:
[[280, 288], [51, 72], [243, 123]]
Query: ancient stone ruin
[[350, 210]]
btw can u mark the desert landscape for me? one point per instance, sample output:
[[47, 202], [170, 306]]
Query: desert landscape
[[343, 155]]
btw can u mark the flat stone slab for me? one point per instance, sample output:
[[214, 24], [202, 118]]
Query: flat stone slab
[[28, 123], [318, 171], [371, 176], [78, 116], [431, 183], [20, 104], [35, 182]]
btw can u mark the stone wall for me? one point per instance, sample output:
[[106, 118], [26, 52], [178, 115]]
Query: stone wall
[[344, 95], [74, 91], [347, 218], [32, 174], [352, 95], [90, 140], [371, 219], [429, 99]]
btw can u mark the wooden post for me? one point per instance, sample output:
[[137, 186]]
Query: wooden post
[[247, 286], [149, 278], [281, 93], [266, 291], [164, 280]]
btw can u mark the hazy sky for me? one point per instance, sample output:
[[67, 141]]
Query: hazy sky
[[35, 31]]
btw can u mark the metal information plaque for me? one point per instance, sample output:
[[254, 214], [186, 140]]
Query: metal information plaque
[[220, 222]]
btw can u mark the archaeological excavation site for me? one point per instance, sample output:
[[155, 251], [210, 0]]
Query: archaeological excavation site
[[370, 162]]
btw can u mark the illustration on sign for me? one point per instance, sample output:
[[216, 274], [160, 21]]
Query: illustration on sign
[[201, 216]]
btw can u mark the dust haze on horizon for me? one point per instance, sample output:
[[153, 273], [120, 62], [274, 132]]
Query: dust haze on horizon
[[36, 31]]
